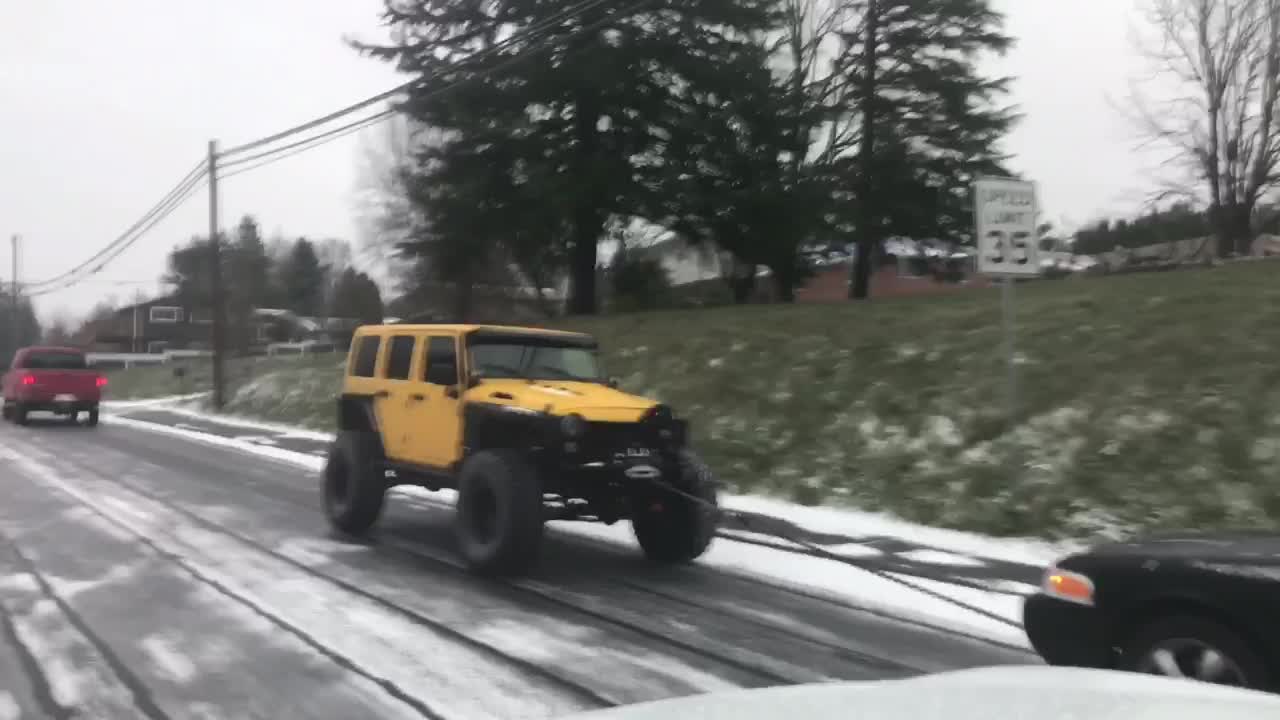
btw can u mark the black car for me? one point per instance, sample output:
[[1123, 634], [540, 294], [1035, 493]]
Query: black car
[[1201, 606]]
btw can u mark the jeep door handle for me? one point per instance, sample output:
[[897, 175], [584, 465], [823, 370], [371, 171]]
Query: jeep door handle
[[382, 394], [418, 396]]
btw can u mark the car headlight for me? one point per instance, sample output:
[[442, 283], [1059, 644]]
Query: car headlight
[[1066, 585], [573, 426], [659, 414]]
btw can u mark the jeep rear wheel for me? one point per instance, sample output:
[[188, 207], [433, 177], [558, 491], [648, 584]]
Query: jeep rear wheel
[[354, 488], [677, 528], [499, 522]]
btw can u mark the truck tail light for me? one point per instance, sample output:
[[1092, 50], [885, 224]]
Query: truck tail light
[[101, 381], [28, 379]]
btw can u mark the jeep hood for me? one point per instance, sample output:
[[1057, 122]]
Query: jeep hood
[[592, 401]]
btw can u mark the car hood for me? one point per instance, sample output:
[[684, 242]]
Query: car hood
[[997, 693], [1255, 548], [593, 401]]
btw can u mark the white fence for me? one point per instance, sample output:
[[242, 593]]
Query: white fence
[[128, 360], [306, 347]]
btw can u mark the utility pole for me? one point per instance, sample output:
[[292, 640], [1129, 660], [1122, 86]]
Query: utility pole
[[215, 276], [14, 333], [868, 237]]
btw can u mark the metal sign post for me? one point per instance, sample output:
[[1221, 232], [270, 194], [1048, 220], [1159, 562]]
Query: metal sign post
[[1005, 214]]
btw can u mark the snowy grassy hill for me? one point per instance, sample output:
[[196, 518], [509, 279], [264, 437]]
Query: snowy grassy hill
[[1144, 400]]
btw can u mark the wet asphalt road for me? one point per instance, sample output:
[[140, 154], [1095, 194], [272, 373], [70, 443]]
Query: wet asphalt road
[[143, 575]]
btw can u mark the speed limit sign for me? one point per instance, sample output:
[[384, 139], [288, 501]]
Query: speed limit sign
[[1005, 226]]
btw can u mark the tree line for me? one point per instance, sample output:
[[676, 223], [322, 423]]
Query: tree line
[[756, 128], [1211, 105], [309, 278]]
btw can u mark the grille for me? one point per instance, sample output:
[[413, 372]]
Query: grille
[[616, 437]]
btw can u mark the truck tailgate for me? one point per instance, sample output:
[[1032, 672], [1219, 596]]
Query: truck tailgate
[[83, 384]]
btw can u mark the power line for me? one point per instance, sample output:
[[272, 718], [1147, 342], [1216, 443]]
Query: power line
[[197, 177], [116, 248], [270, 156], [298, 146], [166, 206], [523, 35]]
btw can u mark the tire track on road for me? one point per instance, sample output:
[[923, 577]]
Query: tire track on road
[[41, 688], [758, 663], [585, 694], [104, 463], [391, 688], [766, 670], [266, 480], [142, 698], [928, 633]]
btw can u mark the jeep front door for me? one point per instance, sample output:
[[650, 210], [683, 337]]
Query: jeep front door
[[437, 421]]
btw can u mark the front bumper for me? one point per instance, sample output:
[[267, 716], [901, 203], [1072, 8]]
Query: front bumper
[[1066, 633]]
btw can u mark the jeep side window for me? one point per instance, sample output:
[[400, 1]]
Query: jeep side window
[[366, 356], [442, 361], [400, 357]]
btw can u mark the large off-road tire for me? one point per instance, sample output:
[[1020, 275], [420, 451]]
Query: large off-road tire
[[92, 421], [500, 515], [19, 413], [673, 528], [353, 485], [6, 411], [1179, 646]]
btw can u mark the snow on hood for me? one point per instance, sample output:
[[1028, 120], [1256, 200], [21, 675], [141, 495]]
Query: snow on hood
[[995, 693]]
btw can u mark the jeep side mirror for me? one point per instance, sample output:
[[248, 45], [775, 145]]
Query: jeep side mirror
[[451, 391]]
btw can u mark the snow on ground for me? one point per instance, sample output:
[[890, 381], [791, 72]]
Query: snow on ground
[[858, 523], [169, 659], [383, 642], [896, 596], [9, 709], [151, 402]]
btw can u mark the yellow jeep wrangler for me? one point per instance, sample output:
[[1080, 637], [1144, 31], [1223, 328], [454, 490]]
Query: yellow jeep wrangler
[[524, 425]]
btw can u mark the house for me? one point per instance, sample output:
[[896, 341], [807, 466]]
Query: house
[[906, 267], [165, 324], [275, 325], [151, 326]]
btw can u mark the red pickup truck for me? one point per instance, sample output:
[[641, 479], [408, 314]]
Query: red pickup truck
[[51, 379]]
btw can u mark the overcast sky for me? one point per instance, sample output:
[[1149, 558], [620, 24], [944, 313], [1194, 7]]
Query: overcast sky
[[106, 104]]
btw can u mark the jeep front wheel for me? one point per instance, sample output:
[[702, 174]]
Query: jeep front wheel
[[354, 488], [677, 528], [499, 522]]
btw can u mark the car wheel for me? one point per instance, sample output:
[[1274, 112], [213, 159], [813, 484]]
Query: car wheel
[[676, 528], [6, 411], [353, 487], [1197, 649], [92, 420], [20, 414], [499, 519]]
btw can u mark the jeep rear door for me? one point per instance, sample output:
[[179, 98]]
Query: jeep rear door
[[399, 395], [364, 375]]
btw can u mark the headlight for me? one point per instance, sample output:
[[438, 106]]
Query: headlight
[[573, 425], [659, 415], [1066, 585]]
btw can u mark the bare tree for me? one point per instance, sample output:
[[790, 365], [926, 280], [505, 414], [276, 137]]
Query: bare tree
[[1211, 102]]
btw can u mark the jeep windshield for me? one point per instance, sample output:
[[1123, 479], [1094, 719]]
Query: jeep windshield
[[535, 357]]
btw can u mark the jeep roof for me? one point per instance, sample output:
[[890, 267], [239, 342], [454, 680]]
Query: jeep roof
[[467, 328]]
